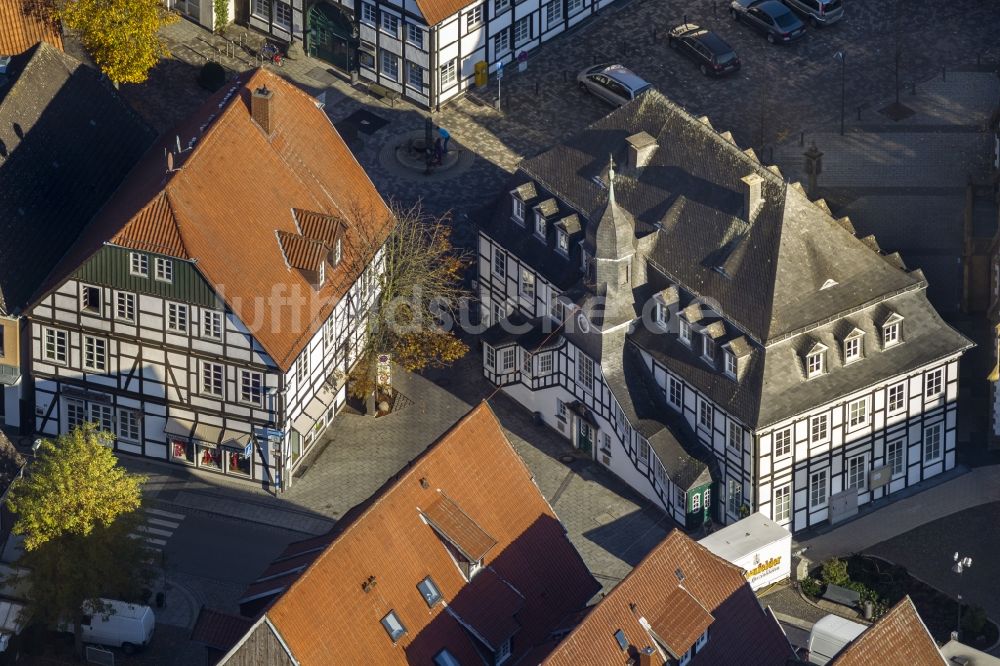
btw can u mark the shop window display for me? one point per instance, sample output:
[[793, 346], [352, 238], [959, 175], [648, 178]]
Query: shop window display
[[239, 464], [208, 456], [182, 451]]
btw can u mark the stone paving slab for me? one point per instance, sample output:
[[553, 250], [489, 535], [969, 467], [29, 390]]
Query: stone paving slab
[[253, 512]]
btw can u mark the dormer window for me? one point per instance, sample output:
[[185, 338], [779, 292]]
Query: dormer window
[[816, 361], [539, 225], [517, 209], [562, 241], [732, 365], [661, 315], [337, 253], [892, 331], [853, 346], [707, 348], [322, 273], [685, 331], [503, 653]]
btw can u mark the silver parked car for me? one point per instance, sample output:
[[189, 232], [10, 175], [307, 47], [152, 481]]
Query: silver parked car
[[614, 83], [818, 13]]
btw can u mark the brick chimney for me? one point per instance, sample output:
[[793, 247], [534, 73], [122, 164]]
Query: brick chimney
[[641, 147], [752, 196], [262, 109]]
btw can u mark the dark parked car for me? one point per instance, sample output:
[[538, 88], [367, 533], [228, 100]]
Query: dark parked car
[[712, 54], [769, 17]]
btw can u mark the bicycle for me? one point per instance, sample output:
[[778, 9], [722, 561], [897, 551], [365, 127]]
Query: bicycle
[[271, 53]]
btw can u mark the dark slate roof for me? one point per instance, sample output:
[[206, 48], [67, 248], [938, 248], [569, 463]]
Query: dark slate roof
[[66, 141], [691, 190], [764, 275], [684, 459]]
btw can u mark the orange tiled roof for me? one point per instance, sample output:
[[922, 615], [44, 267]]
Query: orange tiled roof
[[435, 11], [227, 196], [533, 578], [21, 27], [741, 632], [900, 638]]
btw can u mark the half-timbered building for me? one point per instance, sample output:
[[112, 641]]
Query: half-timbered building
[[208, 316], [427, 50], [56, 115], [707, 332]]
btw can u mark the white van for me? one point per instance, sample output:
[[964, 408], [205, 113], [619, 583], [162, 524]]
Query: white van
[[829, 636], [129, 626]]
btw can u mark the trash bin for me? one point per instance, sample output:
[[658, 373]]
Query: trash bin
[[482, 73]]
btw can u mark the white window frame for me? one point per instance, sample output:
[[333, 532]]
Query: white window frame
[[103, 415], [517, 208], [414, 35], [213, 379], [707, 348], [524, 22], [129, 425], [895, 452], [389, 24], [526, 286], [782, 442], [500, 6], [816, 501], [90, 293], [474, 18], [540, 225], [734, 497], [283, 15], [388, 63], [856, 477], [574, 7], [734, 436], [211, 324], [164, 269], [553, 13], [661, 315], [815, 363], [526, 363], [545, 364], [814, 421], [684, 332], [95, 353], [782, 500], [890, 335], [933, 446], [449, 73], [501, 42], [675, 392], [125, 306], [705, 414], [76, 413], [247, 381], [490, 356], [302, 367], [499, 263], [413, 68], [585, 371], [508, 358], [934, 383], [896, 403], [138, 264], [732, 364], [178, 317], [858, 413], [695, 502], [853, 346], [369, 14], [55, 346]]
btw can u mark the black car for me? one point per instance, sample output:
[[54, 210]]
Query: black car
[[712, 54], [769, 17]]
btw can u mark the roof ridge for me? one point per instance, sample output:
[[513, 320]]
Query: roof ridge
[[380, 495]]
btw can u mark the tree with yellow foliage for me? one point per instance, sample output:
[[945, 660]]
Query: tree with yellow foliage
[[416, 279], [122, 36], [76, 508]]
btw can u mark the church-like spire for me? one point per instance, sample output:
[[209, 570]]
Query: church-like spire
[[611, 180]]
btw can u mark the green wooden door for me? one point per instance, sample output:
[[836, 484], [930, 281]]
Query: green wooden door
[[584, 436], [331, 36]]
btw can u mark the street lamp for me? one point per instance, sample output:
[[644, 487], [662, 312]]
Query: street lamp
[[842, 57], [961, 564]]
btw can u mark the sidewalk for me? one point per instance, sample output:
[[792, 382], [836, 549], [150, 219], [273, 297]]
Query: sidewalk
[[979, 486]]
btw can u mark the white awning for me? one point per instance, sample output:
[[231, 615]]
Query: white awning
[[232, 439], [320, 403], [207, 434], [302, 424], [178, 427]]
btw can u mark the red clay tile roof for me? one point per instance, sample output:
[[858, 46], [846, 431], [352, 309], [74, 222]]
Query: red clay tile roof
[[435, 11], [682, 620], [22, 26], [741, 633], [458, 528], [220, 631], [900, 638], [230, 190], [326, 617]]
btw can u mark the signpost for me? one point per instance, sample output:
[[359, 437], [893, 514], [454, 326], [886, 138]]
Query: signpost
[[499, 76]]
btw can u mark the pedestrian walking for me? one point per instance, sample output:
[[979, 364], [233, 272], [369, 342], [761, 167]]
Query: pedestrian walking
[[446, 136]]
